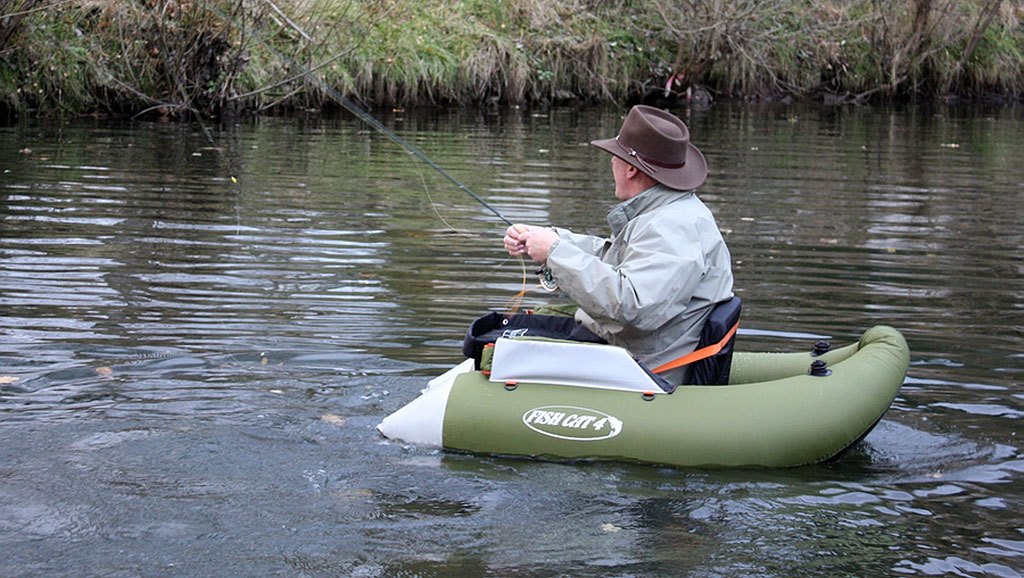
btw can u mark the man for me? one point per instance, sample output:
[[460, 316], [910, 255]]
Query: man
[[651, 286]]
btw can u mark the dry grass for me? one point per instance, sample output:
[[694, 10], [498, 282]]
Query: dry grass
[[895, 48], [210, 57]]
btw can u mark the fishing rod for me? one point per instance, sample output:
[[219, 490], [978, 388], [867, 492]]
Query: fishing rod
[[547, 280], [366, 117]]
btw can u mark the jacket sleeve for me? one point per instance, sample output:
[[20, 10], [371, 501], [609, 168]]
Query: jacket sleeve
[[661, 266], [589, 244]]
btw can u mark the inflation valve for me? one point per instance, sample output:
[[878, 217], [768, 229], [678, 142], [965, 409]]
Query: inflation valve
[[819, 368], [821, 348]]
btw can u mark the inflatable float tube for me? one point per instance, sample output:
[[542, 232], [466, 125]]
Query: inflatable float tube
[[570, 400]]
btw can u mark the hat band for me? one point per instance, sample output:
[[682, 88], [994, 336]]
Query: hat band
[[647, 161]]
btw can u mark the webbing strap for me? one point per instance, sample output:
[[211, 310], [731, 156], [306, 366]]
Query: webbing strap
[[701, 353]]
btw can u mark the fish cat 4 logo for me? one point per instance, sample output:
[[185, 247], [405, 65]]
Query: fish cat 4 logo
[[567, 422]]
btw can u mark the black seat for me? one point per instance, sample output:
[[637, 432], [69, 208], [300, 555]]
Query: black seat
[[488, 328], [714, 370]]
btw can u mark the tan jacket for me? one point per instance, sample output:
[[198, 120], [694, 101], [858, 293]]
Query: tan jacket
[[652, 285]]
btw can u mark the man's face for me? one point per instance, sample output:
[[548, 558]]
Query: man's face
[[620, 171]]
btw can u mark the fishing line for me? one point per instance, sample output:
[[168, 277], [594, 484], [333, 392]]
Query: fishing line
[[366, 117], [547, 281], [433, 206]]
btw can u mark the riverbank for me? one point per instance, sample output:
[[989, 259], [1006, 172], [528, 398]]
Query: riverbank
[[214, 57]]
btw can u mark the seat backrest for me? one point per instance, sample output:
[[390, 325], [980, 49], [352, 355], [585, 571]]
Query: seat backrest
[[714, 370]]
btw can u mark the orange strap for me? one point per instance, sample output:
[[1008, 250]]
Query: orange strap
[[701, 353]]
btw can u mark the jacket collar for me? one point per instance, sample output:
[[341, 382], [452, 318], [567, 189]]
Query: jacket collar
[[653, 198]]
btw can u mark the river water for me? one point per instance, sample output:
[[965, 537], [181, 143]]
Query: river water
[[198, 335]]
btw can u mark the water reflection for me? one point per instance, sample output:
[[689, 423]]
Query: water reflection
[[209, 334]]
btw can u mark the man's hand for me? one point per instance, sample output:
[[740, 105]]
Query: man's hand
[[529, 240]]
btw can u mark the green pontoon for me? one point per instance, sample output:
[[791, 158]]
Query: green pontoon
[[571, 400]]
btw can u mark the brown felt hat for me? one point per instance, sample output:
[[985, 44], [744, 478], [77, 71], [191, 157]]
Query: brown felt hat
[[657, 143]]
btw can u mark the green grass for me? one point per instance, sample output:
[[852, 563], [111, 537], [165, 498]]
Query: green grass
[[208, 57]]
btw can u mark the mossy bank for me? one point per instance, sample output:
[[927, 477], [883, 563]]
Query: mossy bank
[[211, 57]]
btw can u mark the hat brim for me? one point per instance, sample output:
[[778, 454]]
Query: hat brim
[[691, 175]]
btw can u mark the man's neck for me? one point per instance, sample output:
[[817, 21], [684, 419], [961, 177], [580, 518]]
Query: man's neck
[[637, 185]]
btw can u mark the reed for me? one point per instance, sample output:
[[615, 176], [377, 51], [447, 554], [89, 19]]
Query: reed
[[215, 57], [853, 49]]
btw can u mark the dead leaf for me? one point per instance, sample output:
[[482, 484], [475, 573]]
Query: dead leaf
[[105, 371], [333, 419], [5, 379]]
